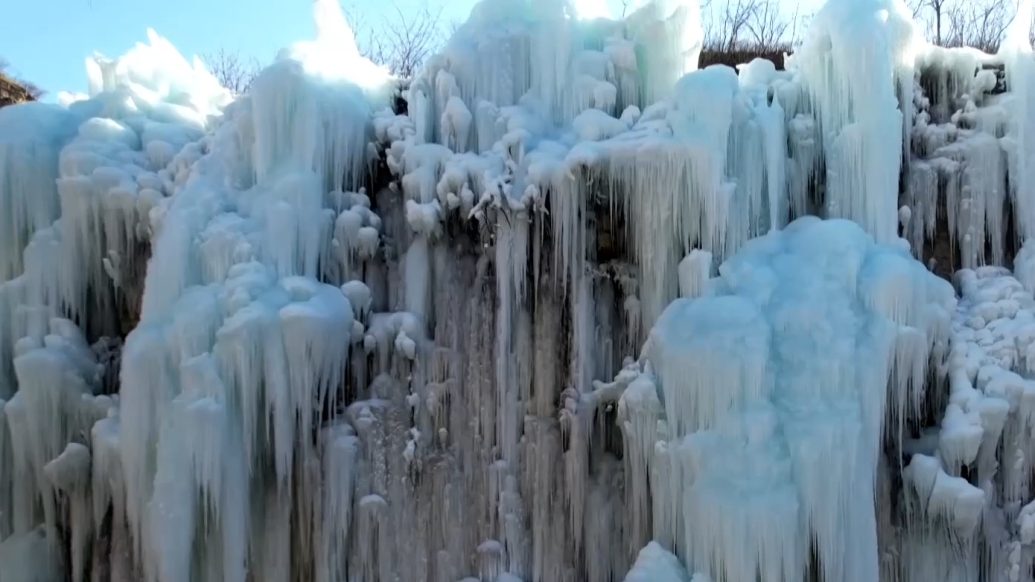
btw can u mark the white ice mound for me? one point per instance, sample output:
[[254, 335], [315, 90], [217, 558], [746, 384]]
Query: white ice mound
[[156, 78], [656, 564], [776, 386]]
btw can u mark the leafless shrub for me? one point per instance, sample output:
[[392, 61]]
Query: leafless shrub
[[956, 23], [232, 72], [980, 24], [768, 28], [34, 90], [402, 41], [744, 26]]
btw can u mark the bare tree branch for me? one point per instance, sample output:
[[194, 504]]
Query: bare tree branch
[[916, 7], [955, 23], [231, 71], [768, 26], [367, 41], [34, 90], [404, 39], [411, 38], [731, 24], [742, 26], [799, 24]]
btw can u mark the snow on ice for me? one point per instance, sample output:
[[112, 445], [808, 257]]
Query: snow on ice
[[570, 310]]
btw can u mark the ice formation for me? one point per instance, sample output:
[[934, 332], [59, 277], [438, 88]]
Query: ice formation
[[560, 308]]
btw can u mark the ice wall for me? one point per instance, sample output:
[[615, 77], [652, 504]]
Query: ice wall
[[566, 313]]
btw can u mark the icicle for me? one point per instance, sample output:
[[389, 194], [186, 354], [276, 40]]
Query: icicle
[[32, 138], [69, 473], [339, 466], [694, 271]]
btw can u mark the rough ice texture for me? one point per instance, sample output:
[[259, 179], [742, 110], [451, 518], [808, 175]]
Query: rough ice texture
[[778, 386], [372, 344], [972, 474]]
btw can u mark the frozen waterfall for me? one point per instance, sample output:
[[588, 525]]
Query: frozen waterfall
[[560, 308]]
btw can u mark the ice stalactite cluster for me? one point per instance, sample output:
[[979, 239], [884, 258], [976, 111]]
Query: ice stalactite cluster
[[959, 168], [970, 145], [968, 483], [855, 65], [967, 478], [316, 334], [762, 405]]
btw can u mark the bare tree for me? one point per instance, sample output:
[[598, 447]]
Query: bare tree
[[34, 90], [366, 36], [768, 26], [955, 23], [402, 41], [938, 7], [750, 26], [232, 72], [454, 25], [930, 13], [799, 25], [410, 39], [981, 25], [723, 33]]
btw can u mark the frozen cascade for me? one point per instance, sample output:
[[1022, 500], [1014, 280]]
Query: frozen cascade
[[560, 308], [856, 63], [756, 436]]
